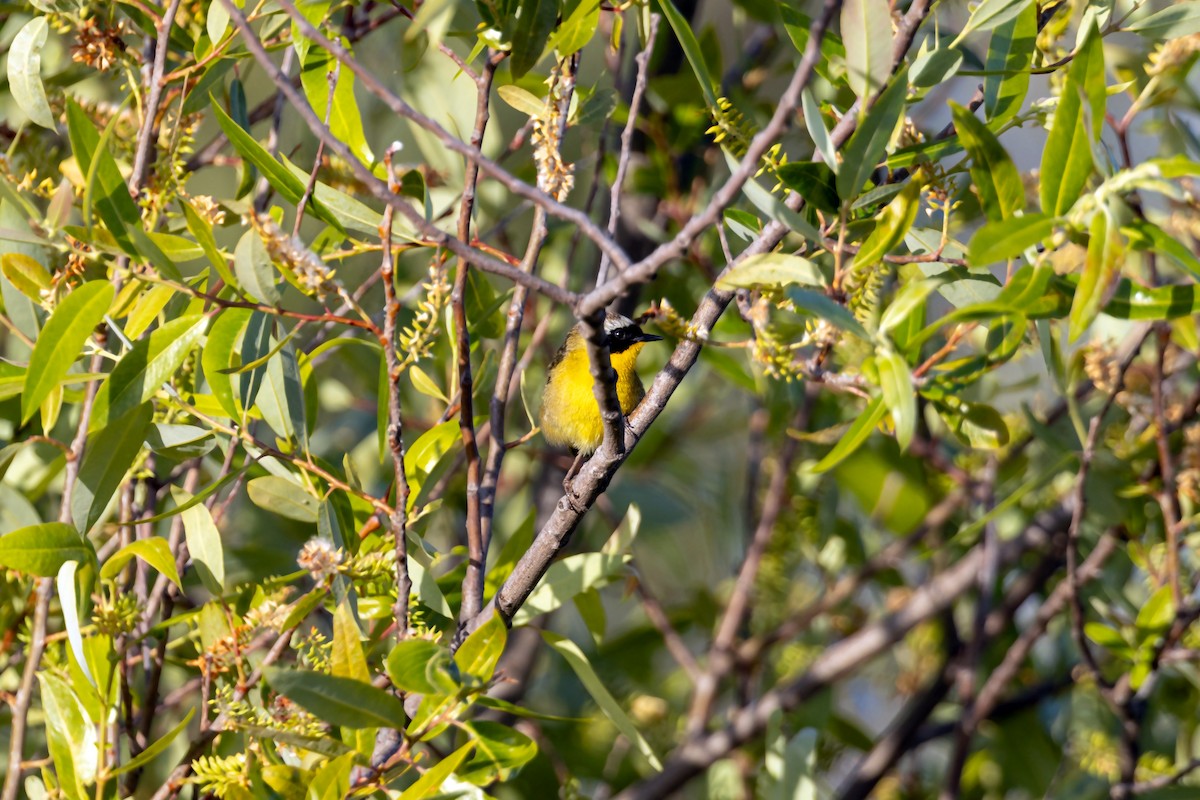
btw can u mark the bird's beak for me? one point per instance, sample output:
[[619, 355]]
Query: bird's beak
[[648, 337]]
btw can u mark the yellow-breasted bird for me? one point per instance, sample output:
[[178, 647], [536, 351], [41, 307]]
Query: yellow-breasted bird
[[569, 414]]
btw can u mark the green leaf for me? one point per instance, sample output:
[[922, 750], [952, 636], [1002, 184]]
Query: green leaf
[[157, 748], [1102, 265], [61, 341], [868, 145], [283, 497], [1008, 238], [255, 272], [1130, 301], [814, 180], [1145, 235], [867, 35], [993, 174], [857, 433], [345, 702], [892, 225], [983, 427], [109, 454], [430, 782], [1067, 160], [180, 442], [1157, 614], [991, 13], [595, 687], [771, 269], [113, 203], [70, 735], [911, 296], [500, 751], [422, 667], [577, 29], [26, 274], [353, 215], [141, 372], [155, 552], [217, 356], [347, 658], [1174, 21], [425, 384], [25, 72], [289, 186], [691, 49], [147, 310], [42, 549], [522, 99], [815, 125], [281, 399], [895, 381], [345, 120], [481, 651], [1009, 57], [566, 579], [202, 232], [332, 780], [204, 543], [934, 67], [818, 305], [528, 31]]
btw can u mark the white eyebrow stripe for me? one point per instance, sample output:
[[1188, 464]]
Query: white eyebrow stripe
[[615, 322]]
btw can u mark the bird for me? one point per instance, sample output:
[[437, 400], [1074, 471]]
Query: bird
[[570, 415]]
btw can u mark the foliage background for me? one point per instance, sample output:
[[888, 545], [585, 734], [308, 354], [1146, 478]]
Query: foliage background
[[909, 507]]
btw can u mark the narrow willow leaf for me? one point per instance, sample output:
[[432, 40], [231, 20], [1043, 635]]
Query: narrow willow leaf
[[1102, 265], [499, 752], [281, 399], [430, 782], [867, 35], [151, 362], [332, 779], [1176, 20], [346, 658], [26, 274], [595, 687], [857, 433], [691, 49], [69, 602], [318, 69], [993, 173], [1008, 238], [155, 552], [815, 125], [145, 312], [180, 442], [892, 225], [990, 14], [1009, 57], [289, 186], [818, 305], [815, 181], [895, 382], [109, 454], [204, 542], [201, 230], [42, 549], [1067, 160], [528, 32], [217, 356], [344, 702], [71, 736], [25, 72], [772, 269], [577, 29], [62, 340], [422, 667], [868, 145], [522, 100], [567, 579], [157, 748], [481, 651], [283, 497], [255, 272]]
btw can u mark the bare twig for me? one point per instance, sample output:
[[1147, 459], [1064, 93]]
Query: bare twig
[[148, 134], [472, 596], [639, 88]]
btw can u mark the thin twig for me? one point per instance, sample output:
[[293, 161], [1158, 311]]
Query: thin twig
[[148, 134], [639, 88], [472, 595]]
